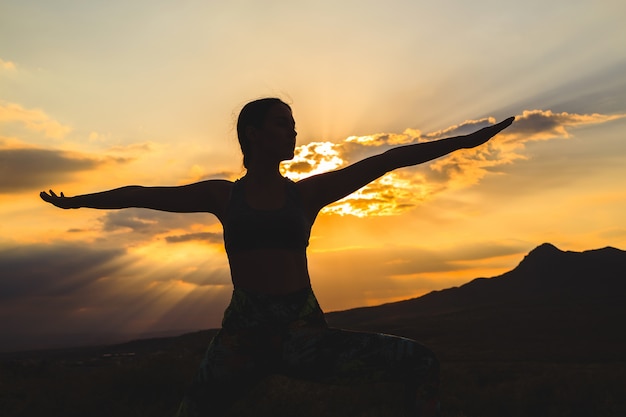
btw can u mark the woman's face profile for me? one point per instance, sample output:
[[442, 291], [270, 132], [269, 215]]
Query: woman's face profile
[[277, 136]]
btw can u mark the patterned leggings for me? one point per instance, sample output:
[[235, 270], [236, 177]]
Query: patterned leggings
[[288, 335]]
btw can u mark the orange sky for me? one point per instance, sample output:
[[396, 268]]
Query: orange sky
[[99, 96]]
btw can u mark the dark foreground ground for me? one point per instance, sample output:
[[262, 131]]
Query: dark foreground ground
[[147, 378]]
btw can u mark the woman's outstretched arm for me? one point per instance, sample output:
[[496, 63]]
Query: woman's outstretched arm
[[206, 196], [323, 189]]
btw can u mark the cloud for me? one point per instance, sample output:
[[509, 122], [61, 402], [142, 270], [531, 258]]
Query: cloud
[[29, 168], [133, 148], [208, 237], [7, 65], [544, 125], [614, 234], [32, 119], [134, 220], [159, 230], [144, 222], [46, 270], [468, 167], [401, 190], [314, 158]]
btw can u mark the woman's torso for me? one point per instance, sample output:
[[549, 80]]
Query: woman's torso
[[266, 233]]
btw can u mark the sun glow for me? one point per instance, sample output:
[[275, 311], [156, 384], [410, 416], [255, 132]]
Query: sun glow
[[311, 159], [391, 195]]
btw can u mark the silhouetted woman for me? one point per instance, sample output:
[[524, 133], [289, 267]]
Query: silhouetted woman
[[274, 323]]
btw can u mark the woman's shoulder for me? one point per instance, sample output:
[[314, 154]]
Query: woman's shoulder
[[216, 192], [221, 189], [214, 185]]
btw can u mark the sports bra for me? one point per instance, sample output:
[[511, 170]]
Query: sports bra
[[247, 228]]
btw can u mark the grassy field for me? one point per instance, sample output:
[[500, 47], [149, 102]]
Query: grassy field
[[148, 379]]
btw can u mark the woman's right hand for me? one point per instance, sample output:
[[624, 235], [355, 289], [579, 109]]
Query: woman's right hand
[[483, 135], [59, 201]]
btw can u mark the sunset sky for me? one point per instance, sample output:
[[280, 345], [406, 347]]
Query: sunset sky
[[100, 94]]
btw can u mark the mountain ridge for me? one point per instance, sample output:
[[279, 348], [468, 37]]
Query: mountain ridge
[[561, 303], [539, 266]]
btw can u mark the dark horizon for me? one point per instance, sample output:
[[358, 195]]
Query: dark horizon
[[473, 292]]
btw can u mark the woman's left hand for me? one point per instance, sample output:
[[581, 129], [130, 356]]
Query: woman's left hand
[[56, 200]]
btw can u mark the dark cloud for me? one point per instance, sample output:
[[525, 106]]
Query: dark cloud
[[35, 169], [151, 222], [207, 237], [135, 220], [220, 175], [539, 121], [464, 128], [301, 167], [46, 270], [545, 124], [486, 250], [51, 292], [352, 151]]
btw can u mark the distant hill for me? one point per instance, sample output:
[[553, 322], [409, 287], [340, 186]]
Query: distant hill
[[555, 303]]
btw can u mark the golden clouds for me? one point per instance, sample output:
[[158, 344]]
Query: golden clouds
[[7, 65], [390, 195], [401, 190], [379, 139], [314, 158], [33, 120]]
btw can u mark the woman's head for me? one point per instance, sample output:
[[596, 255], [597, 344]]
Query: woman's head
[[253, 115]]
